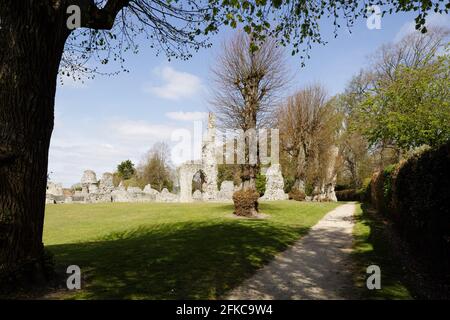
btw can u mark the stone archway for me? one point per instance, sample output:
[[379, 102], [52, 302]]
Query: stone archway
[[198, 185], [186, 173], [207, 164]]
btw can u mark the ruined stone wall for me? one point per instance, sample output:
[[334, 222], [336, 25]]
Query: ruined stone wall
[[207, 164], [185, 173], [93, 191], [274, 184]]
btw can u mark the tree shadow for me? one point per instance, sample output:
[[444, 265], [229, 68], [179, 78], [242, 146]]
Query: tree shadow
[[374, 246], [174, 261], [318, 267]]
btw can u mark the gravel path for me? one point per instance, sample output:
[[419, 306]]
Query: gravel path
[[318, 266]]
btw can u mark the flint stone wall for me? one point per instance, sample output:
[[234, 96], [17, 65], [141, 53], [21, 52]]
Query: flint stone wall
[[274, 184], [207, 164], [226, 190]]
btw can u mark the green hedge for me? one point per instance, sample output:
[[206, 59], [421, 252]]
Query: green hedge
[[362, 194], [347, 195], [415, 195]]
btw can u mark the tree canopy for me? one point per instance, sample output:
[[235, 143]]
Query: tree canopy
[[412, 110], [178, 27], [126, 169]]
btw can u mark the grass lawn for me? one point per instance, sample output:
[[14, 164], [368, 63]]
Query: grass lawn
[[372, 247], [170, 251]]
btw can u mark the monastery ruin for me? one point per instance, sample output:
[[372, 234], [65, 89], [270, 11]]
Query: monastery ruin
[[91, 190]]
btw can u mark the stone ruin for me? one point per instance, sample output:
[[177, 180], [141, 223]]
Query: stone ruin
[[207, 165], [227, 189], [90, 190], [274, 184], [55, 193]]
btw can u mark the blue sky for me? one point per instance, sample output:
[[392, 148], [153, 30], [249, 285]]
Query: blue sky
[[103, 121]]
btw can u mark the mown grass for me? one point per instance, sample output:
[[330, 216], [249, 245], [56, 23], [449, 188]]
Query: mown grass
[[372, 247], [170, 251]]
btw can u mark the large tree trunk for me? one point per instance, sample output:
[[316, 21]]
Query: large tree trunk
[[248, 176], [31, 47], [250, 168], [246, 200]]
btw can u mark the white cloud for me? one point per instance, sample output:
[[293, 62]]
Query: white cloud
[[433, 20], [68, 159], [175, 85], [142, 130], [100, 147], [187, 116]]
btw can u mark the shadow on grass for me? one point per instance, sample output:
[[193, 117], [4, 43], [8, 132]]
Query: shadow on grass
[[174, 261], [372, 247]]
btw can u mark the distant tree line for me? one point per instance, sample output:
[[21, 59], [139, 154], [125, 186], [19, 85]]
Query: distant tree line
[[155, 169], [400, 102]]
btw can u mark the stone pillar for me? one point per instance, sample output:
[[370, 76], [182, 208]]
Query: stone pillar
[[209, 161], [89, 181], [106, 183], [274, 184]]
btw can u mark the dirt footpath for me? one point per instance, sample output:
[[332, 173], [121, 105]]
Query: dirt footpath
[[318, 266]]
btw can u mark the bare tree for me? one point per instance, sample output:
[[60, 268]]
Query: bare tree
[[248, 82], [308, 124], [413, 50], [156, 169]]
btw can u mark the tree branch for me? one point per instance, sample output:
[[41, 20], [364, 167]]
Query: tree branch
[[100, 18]]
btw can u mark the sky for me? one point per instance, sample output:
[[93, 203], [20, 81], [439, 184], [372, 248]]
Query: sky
[[103, 121]]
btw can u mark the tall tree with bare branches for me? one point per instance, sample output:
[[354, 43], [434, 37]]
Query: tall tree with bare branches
[[248, 83], [308, 123], [414, 50]]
